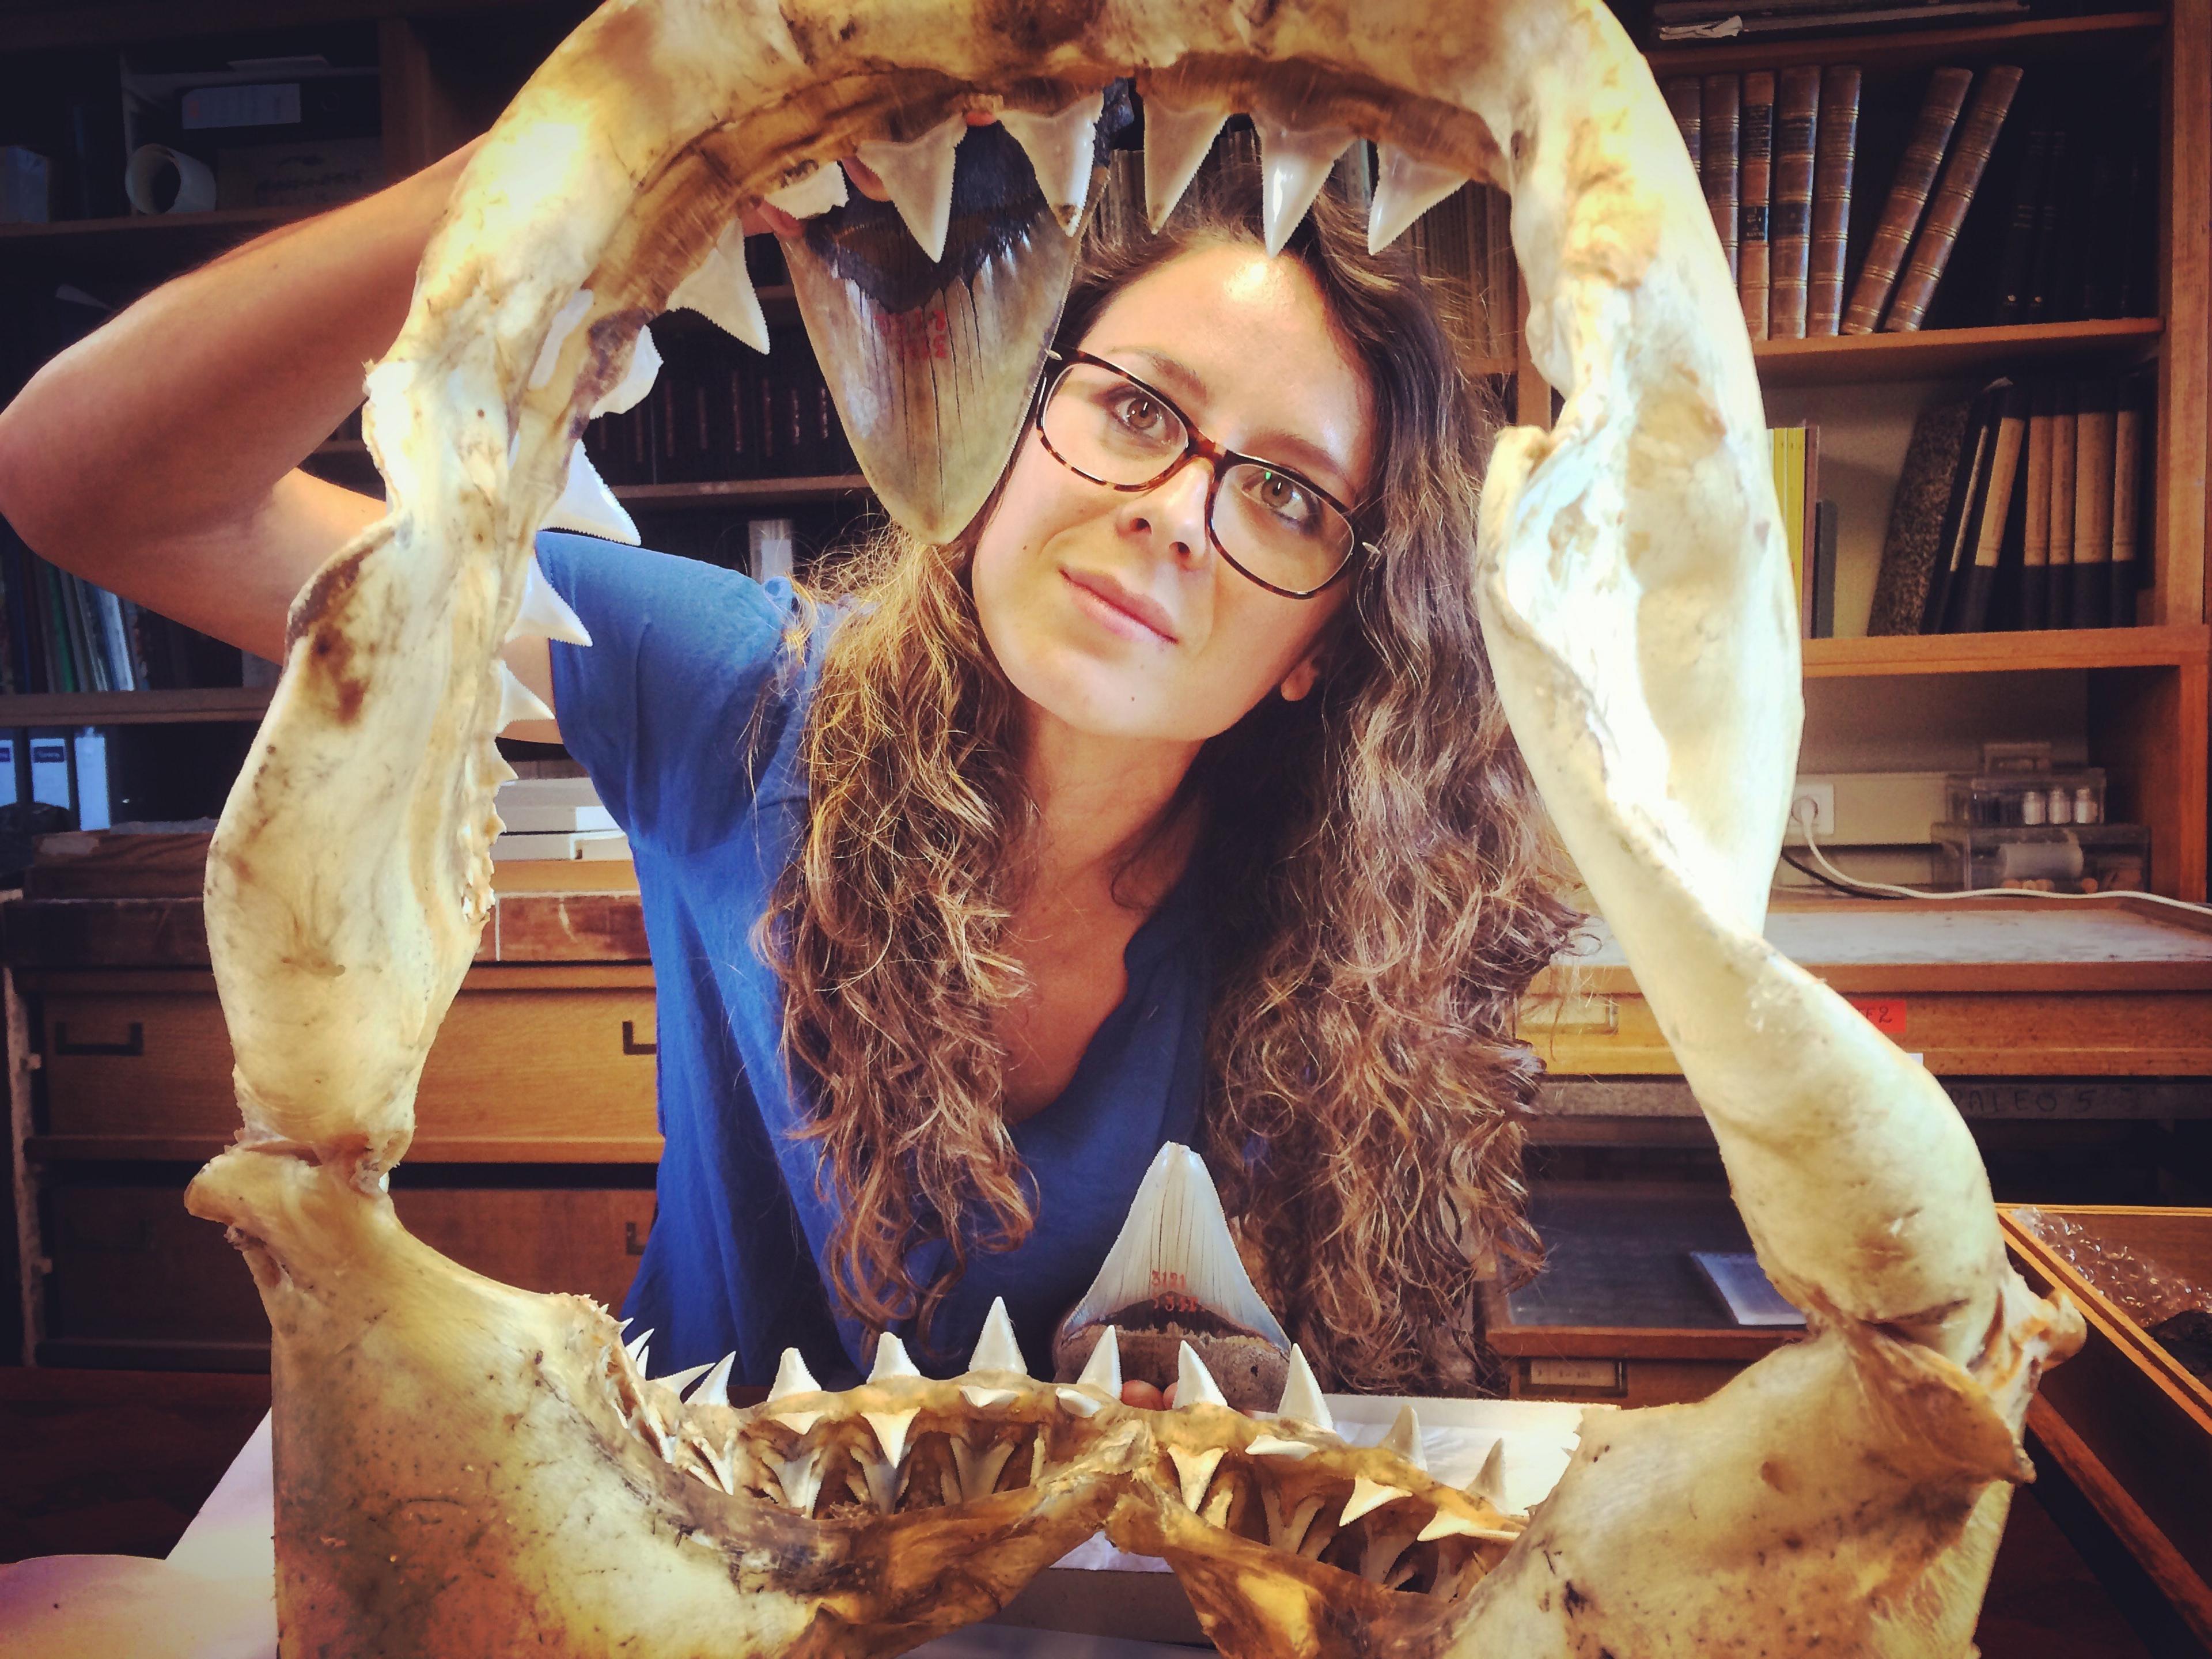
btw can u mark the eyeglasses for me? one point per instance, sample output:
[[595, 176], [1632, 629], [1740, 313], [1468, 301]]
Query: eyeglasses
[[1273, 527]]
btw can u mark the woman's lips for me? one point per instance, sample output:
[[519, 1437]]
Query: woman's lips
[[1130, 615]]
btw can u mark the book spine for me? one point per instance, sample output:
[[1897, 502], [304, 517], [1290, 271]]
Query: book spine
[[1836, 154], [1997, 511], [2050, 214], [2101, 252], [2065, 428], [1947, 591], [2013, 262], [2130, 434], [1721, 133], [56, 630], [1908, 196], [119, 668], [1755, 190], [2092, 507], [1946, 211], [1685, 95], [1789, 224], [2035, 537]]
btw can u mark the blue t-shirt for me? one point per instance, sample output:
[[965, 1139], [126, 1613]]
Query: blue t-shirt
[[658, 709]]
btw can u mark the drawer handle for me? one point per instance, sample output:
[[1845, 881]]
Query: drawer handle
[[631, 1044], [130, 1048]]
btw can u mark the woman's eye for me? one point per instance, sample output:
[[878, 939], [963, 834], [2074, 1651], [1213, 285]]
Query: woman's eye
[[1139, 413], [1285, 498]]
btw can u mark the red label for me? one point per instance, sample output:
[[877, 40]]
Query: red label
[[1885, 1014]]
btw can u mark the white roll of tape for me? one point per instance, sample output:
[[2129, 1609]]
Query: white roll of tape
[[162, 180]]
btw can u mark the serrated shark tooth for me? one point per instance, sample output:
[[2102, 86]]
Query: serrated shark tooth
[[1081, 1404], [1404, 1438], [1269, 1445], [1176, 143], [918, 176], [1063, 148], [984, 1399], [1405, 189], [800, 1477], [1194, 1470], [1294, 165], [996, 1350], [517, 701], [791, 1377], [677, 1381], [1444, 1524], [1301, 1396], [638, 376], [588, 505], [1194, 1384], [817, 193], [1367, 1496], [544, 614], [891, 1429], [574, 310], [722, 291], [1103, 1371], [979, 1470], [892, 1359], [715, 1390]]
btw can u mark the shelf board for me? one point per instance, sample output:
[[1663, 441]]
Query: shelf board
[[230, 702], [1904, 654], [158, 242], [1906, 48], [1941, 353], [732, 492]]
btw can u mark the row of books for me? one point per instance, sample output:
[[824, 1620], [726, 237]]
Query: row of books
[[720, 410], [2022, 508], [1809, 524], [59, 633], [1464, 247]]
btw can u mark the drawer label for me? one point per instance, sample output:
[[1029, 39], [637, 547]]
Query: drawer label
[[1885, 1014], [1603, 1375]]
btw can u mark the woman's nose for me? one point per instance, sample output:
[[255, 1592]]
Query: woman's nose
[[1174, 509]]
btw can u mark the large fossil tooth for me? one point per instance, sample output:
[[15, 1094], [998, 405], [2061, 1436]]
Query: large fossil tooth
[[544, 614], [721, 290], [1367, 1496], [586, 505], [996, 1350], [918, 175], [892, 1359], [1194, 1384], [1404, 188], [791, 1377], [1175, 144], [1294, 165], [1303, 1400], [1063, 148], [1404, 1437]]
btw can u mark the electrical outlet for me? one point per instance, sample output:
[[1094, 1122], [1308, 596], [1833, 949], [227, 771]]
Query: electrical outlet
[[1822, 794]]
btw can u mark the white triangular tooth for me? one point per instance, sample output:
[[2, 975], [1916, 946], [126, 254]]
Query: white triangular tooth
[[1270, 1445], [722, 291], [979, 1470], [1081, 1404], [816, 194], [517, 701], [1176, 143], [564, 323], [1366, 1496], [715, 1390], [800, 1477], [996, 1350], [1405, 189], [1294, 165], [635, 1348], [918, 175], [1489, 1482], [638, 376], [798, 1422], [1194, 1384], [1404, 1438], [587, 505], [679, 1380], [791, 1377], [544, 614], [1062, 149], [1103, 1371], [1301, 1396], [1194, 1470], [984, 1399], [892, 1359], [1444, 1524], [890, 1428]]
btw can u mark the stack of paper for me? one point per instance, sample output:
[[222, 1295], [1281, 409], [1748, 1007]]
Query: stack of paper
[[555, 818]]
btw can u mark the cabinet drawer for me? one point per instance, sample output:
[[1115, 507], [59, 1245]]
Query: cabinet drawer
[[131, 1267], [517, 1072]]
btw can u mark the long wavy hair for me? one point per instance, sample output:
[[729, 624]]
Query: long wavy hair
[[1382, 885]]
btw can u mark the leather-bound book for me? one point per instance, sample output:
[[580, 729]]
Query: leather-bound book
[[1835, 155], [2035, 527], [2130, 449], [1755, 188], [1723, 96], [2015, 257], [2065, 425], [1685, 95], [1954, 192], [1910, 545], [1955, 550], [1908, 197], [1789, 224], [1996, 519], [2092, 506], [2045, 268]]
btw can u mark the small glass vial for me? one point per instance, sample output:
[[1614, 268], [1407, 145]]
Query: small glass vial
[[2031, 806], [2085, 805], [2061, 806]]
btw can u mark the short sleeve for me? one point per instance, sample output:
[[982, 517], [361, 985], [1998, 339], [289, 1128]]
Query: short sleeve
[[658, 707]]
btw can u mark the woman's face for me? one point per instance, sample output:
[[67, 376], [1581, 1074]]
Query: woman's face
[[1240, 342]]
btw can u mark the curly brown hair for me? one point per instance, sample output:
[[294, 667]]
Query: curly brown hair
[[1381, 882]]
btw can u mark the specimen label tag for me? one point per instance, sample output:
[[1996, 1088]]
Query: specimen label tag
[[1885, 1014]]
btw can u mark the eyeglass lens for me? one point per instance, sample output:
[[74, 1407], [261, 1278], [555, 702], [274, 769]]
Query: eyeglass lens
[[1270, 522]]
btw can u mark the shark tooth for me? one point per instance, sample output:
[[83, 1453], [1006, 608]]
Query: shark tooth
[[1288, 1533], [572, 312], [678, 1380], [1175, 144], [1444, 1524], [1405, 189], [544, 614], [934, 363], [891, 1428], [1064, 150], [1294, 165], [798, 1422], [1195, 1469], [638, 376], [1367, 1496], [979, 1470], [1194, 1384], [996, 1350], [800, 1477], [517, 701], [1404, 1438], [791, 1377], [1103, 1371], [818, 192], [984, 1399], [1075, 1400], [1269, 1445], [715, 1390], [635, 1348], [588, 505], [1489, 1482], [1301, 1396], [891, 1359], [721, 290], [918, 175]]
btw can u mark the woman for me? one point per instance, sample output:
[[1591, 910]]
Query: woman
[[1169, 801]]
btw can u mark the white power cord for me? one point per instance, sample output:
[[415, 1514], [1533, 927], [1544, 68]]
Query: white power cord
[[1805, 813]]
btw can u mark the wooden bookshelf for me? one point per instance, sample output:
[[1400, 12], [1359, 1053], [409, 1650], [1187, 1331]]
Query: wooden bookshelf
[[1951, 353], [2038, 37], [2173, 646], [229, 702]]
